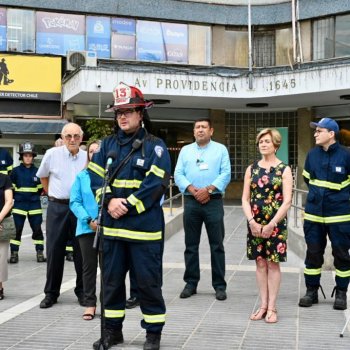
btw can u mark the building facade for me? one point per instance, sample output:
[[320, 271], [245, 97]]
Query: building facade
[[246, 64]]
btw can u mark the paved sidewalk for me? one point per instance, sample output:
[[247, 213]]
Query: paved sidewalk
[[199, 322]]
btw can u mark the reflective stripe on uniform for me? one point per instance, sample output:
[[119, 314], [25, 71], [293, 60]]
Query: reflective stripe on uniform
[[154, 318], [26, 189], [137, 203], [96, 169], [19, 211], [99, 193], [330, 185], [4, 172], [312, 272], [37, 242], [114, 313], [138, 235], [156, 171], [306, 174], [9, 168], [342, 274], [127, 183], [69, 248], [14, 242], [328, 219], [35, 212]]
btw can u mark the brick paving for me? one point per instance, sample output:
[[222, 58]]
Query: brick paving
[[199, 322]]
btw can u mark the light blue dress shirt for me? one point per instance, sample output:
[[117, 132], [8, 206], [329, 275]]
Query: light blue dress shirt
[[203, 166]]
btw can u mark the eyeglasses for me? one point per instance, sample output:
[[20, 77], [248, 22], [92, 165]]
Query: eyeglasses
[[127, 113], [69, 136]]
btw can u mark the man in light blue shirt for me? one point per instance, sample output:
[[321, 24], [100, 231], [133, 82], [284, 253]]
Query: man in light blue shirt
[[202, 173]]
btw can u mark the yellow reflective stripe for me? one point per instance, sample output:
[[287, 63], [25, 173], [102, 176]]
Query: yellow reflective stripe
[[39, 242], [4, 172], [139, 235], [69, 248], [328, 219], [127, 183], [96, 169], [306, 174], [330, 185], [10, 167], [154, 318], [19, 211], [114, 313], [26, 189], [99, 193], [342, 274], [312, 272], [137, 203], [156, 171], [35, 212], [14, 242], [39, 187]]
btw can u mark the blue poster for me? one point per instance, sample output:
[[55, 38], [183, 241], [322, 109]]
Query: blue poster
[[58, 44], [124, 26], [2, 38], [150, 43], [98, 35]]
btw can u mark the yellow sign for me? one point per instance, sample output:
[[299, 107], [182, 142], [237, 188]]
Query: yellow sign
[[30, 77]]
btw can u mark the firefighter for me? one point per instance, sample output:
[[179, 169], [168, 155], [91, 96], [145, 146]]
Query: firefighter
[[133, 221], [27, 202], [6, 161], [327, 212]]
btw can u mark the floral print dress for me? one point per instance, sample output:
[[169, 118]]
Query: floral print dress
[[266, 197]]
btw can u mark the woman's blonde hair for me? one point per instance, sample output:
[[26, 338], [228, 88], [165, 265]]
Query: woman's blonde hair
[[275, 136]]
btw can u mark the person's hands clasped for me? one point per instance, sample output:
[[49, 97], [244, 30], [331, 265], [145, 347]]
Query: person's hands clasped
[[202, 196], [267, 230], [117, 207], [255, 228]]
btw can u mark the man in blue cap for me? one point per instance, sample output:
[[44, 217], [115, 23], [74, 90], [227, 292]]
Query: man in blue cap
[[327, 212]]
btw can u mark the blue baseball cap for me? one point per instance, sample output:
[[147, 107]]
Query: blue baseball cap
[[326, 123]]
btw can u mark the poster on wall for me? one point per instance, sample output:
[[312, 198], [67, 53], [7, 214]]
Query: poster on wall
[[3, 39], [175, 38], [123, 46], [57, 33], [150, 43], [124, 26], [20, 78], [98, 35]]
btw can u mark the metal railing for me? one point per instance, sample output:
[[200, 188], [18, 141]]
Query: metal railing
[[171, 197], [297, 205]]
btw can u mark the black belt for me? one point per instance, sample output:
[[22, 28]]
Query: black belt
[[58, 200], [212, 196]]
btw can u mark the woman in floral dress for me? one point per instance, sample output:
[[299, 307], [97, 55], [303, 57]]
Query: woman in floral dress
[[266, 198]]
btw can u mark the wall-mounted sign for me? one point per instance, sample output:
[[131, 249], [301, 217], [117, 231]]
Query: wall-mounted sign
[[57, 33], [3, 40], [98, 35], [30, 77], [124, 26]]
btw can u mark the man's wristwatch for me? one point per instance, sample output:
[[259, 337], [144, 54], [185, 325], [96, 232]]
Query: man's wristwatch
[[210, 191]]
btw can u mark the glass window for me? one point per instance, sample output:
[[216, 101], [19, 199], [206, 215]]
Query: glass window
[[20, 30], [284, 47], [236, 48], [3, 40], [264, 51], [323, 38], [342, 36], [199, 50]]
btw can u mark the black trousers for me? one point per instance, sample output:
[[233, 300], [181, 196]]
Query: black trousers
[[60, 227], [90, 262], [212, 215]]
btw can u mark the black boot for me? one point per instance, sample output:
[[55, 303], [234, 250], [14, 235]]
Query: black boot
[[14, 258], [1, 293], [40, 256], [311, 297], [340, 302], [152, 341], [111, 337]]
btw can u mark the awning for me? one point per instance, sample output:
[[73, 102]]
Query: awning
[[34, 126]]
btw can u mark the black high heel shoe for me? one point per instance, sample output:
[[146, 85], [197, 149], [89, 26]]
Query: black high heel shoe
[[1, 293]]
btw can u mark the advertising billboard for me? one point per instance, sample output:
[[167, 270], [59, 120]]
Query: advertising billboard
[[57, 33], [30, 77], [98, 35]]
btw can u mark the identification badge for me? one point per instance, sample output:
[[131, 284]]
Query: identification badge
[[203, 166], [140, 162]]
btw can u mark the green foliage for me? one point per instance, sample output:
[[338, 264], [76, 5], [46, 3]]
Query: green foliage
[[97, 129]]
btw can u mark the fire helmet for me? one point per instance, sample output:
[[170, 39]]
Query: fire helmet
[[126, 96], [27, 147]]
